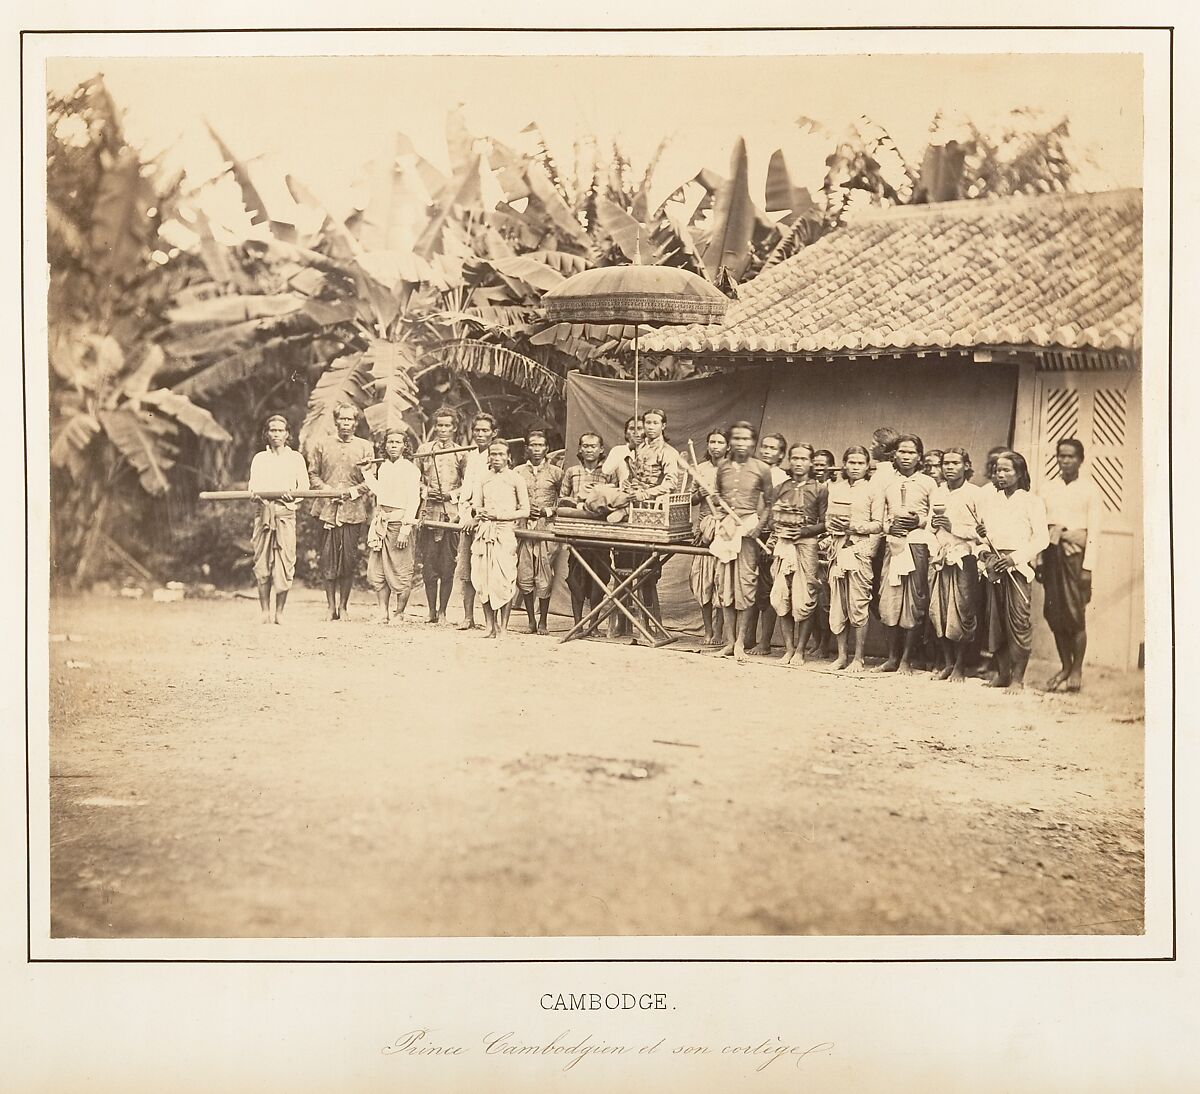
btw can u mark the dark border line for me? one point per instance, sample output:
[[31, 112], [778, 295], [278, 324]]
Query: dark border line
[[590, 29], [1173, 956]]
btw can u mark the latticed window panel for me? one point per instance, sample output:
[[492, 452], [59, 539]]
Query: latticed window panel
[[1109, 408], [1060, 418], [1108, 473]]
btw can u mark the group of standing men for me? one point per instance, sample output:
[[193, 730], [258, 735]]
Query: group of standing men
[[794, 539], [902, 533]]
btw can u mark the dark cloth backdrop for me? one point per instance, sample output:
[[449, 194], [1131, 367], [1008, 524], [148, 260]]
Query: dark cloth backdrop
[[945, 401]]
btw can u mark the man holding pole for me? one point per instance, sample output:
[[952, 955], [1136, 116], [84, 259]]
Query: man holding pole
[[335, 463], [535, 558], [441, 479], [278, 468], [475, 466], [743, 485]]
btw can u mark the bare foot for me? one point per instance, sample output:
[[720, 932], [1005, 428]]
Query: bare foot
[[944, 674], [890, 665], [1014, 687], [759, 651], [957, 676], [266, 618], [441, 618], [332, 617], [726, 651], [739, 653], [433, 618], [1056, 679], [467, 625], [384, 620], [711, 641], [277, 621], [998, 682], [840, 664], [787, 657], [856, 665], [904, 669], [1074, 684], [543, 629]]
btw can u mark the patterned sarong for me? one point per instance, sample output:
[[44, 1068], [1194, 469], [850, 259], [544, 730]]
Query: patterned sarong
[[795, 578], [904, 583], [1008, 617], [494, 562], [850, 578], [703, 578], [339, 550], [737, 581], [954, 597], [535, 562], [274, 539], [388, 563], [1068, 589]]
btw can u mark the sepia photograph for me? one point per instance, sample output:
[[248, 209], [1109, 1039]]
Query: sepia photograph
[[509, 496]]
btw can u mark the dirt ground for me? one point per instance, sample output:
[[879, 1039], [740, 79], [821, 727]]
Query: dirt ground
[[213, 777]]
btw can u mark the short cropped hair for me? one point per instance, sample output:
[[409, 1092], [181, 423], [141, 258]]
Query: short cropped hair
[[1072, 442], [536, 433], [483, 416], [340, 408], [743, 425], [446, 412]]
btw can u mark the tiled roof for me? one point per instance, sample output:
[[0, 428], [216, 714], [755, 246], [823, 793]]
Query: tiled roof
[[1053, 271]]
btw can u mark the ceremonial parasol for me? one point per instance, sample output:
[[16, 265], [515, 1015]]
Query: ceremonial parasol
[[636, 294]]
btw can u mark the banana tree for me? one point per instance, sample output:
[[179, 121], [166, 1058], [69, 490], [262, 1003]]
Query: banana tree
[[114, 427]]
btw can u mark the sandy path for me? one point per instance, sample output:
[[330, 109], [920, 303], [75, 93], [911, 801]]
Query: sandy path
[[353, 780]]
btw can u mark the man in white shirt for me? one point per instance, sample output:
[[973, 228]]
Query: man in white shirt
[[617, 464], [397, 490], [904, 573], [954, 512], [280, 469], [1014, 531], [1074, 510], [483, 432]]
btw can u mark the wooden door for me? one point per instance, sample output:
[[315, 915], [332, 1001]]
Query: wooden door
[[1103, 409]]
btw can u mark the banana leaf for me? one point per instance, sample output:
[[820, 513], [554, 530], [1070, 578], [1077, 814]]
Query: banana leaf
[[145, 441], [343, 381], [486, 359], [70, 442], [733, 221], [187, 414], [251, 198], [225, 310], [121, 231]]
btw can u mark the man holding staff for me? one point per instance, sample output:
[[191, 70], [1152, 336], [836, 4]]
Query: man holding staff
[[397, 490], [743, 486], [797, 520], [441, 478], [576, 485], [336, 463], [535, 558], [475, 467], [499, 499], [278, 468], [1073, 511], [1014, 530], [853, 517], [904, 576], [954, 578], [772, 450]]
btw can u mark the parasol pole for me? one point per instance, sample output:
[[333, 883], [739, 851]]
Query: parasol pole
[[637, 261], [635, 372]]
